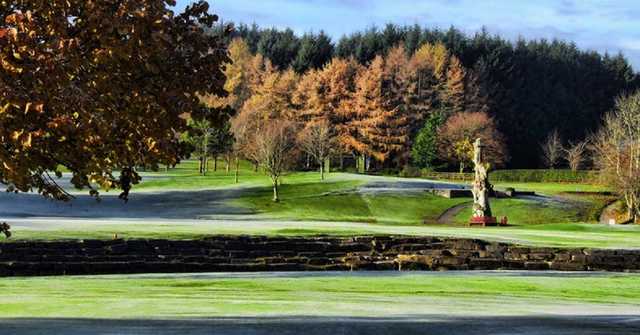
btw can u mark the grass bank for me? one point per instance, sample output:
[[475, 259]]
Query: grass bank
[[568, 235], [323, 295]]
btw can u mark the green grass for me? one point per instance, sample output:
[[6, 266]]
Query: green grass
[[569, 235], [337, 201], [311, 207], [528, 212], [553, 188], [411, 294], [185, 176]]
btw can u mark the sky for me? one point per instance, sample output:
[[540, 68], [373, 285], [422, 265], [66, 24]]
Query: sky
[[604, 25]]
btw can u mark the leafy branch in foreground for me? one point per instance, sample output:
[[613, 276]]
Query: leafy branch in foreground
[[97, 86]]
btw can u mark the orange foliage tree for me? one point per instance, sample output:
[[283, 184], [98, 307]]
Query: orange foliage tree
[[457, 135], [96, 86]]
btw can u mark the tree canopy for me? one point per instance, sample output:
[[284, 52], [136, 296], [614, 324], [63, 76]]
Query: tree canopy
[[529, 87], [98, 86]]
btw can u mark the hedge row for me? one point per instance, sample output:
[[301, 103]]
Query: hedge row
[[542, 176], [521, 176]]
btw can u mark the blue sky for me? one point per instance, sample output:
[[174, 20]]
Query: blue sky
[[603, 25]]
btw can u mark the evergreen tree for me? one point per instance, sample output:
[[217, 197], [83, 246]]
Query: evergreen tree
[[424, 152], [315, 51], [280, 47]]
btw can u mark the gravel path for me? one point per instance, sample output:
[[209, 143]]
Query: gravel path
[[435, 325], [450, 214]]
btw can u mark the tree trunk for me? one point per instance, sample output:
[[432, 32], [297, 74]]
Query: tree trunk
[[321, 171], [215, 163], [341, 162], [255, 167], [205, 165], [275, 191], [237, 168], [227, 160]]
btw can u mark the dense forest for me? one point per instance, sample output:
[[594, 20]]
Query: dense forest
[[533, 87]]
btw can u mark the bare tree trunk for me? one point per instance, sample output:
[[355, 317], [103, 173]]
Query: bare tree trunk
[[275, 191], [237, 168], [227, 160], [341, 162], [255, 167], [205, 165], [322, 171], [215, 163]]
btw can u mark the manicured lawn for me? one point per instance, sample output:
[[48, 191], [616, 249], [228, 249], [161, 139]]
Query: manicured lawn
[[185, 176], [326, 295], [552, 188], [528, 212], [336, 207], [338, 201], [554, 235]]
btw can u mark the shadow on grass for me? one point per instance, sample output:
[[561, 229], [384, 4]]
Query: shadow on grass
[[311, 325]]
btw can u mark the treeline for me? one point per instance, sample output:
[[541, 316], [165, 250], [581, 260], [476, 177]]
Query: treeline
[[531, 87], [423, 109]]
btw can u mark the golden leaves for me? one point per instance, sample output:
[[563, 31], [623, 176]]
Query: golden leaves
[[24, 139], [114, 112]]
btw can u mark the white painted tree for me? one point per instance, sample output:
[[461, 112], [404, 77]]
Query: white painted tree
[[481, 186]]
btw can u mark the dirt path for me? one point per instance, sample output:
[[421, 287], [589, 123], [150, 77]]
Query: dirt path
[[448, 216]]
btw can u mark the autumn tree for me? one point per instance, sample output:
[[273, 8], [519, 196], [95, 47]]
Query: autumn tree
[[617, 148], [274, 143], [395, 89], [273, 97], [453, 94], [457, 134], [334, 100], [243, 127], [427, 68], [242, 74], [318, 141], [100, 86], [381, 120], [310, 98], [552, 149]]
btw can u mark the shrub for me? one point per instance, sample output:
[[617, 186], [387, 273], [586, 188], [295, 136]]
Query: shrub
[[541, 176]]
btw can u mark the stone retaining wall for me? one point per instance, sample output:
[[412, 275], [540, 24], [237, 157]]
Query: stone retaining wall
[[239, 253]]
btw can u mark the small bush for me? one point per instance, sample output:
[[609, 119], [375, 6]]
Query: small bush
[[410, 172]]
